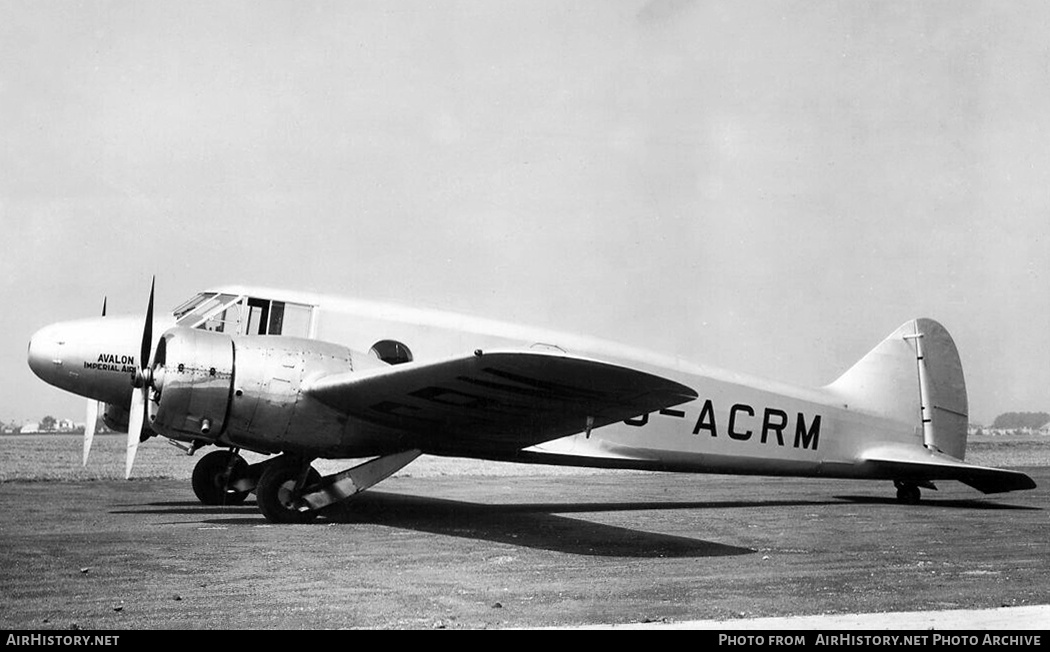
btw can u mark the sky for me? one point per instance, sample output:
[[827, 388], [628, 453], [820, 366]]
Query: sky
[[770, 187]]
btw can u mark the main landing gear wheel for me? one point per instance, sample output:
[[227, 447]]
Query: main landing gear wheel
[[215, 475], [907, 493], [280, 488]]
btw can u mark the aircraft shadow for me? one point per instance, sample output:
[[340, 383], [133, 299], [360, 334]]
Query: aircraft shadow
[[187, 507], [531, 525], [534, 525]]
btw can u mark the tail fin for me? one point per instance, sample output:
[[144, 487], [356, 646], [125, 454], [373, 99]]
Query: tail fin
[[914, 375]]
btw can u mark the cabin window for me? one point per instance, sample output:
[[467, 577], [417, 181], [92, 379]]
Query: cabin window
[[391, 352]]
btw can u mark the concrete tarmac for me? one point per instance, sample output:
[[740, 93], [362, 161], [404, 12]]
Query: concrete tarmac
[[610, 548]]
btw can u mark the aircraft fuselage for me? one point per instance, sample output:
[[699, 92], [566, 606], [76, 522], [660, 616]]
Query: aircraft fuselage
[[240, 368]]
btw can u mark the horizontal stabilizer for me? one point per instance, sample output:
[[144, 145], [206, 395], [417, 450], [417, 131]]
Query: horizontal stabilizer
[[501, 400], [916, 464]]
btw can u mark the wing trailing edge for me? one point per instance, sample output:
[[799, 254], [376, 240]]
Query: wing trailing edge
[[498, 400]]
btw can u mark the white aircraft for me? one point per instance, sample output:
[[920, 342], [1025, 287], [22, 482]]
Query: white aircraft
[[303, 377]]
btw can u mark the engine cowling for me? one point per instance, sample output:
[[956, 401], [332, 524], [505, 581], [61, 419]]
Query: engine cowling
[[115, 417], [247, 391], [192, 379]]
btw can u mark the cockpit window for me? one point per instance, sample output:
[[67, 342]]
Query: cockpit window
[[258, 316], [208, 304], [187, 307], [226, 320], [237, 314], [278, 318]]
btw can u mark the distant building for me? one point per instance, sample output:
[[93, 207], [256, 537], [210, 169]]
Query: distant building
[[35, 427]]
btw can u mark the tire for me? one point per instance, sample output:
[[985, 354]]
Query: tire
[[275, 493], [909, 494], [211, 482]]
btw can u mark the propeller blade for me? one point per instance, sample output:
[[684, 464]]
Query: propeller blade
[[91, 416], [140, 394], [135, 421], [89, 426], [147, 331]]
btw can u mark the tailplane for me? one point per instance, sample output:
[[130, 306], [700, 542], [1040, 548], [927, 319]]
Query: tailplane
[[914, 375]]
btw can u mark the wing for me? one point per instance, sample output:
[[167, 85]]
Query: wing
[[498, 401], [913, 463]]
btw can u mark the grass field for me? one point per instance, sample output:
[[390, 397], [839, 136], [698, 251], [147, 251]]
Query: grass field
[[58, 458]]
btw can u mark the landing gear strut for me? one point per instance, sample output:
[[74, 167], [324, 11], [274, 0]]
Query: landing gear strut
[[907, 492], [280, 488], [218, 478]]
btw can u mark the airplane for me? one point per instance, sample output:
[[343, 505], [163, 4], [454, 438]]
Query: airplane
[[299, 377]]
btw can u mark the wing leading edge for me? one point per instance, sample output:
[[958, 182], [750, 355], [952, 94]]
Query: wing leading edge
[[503, 400]]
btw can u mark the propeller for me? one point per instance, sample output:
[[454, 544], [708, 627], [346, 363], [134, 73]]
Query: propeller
[[141, 382], [91, 416]]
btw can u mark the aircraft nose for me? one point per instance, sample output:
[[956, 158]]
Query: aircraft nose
[[93, 357], [45, 352]]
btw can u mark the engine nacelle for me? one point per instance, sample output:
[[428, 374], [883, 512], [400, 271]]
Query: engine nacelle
[[247, 391], [115, 417]]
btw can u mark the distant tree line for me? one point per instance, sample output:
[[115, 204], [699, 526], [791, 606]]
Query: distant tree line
[[50, 424], [1017, 420]]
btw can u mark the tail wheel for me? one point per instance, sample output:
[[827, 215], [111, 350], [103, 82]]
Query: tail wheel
[[908, 494], [215, 475], [279, 490]]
